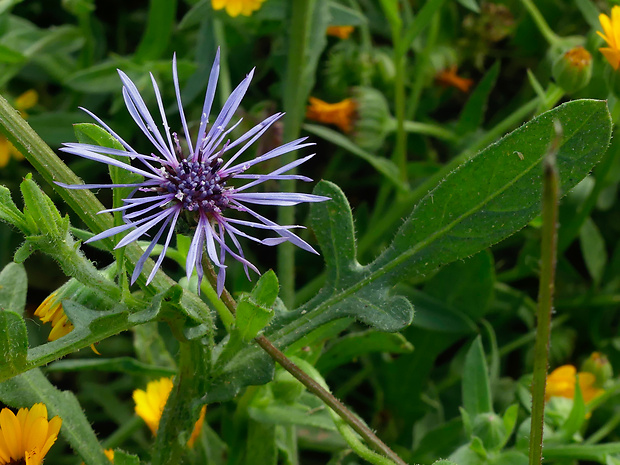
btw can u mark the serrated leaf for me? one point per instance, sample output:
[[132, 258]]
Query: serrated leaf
[[475, 386], [13, 288], [251, 318], [32, 387], [123, 458], [13, 343], [266, 290]]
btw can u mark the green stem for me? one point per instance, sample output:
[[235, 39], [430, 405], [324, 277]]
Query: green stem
[[400, 151], [427, 129], [542, 25], [223, 82], [294, 104], [545, 303]]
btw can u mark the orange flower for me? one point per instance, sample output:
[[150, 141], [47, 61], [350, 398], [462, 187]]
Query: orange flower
[[150, 406], [25, 438], [449, 78], [340, 114], [342, 32], [611, 27], [51, 310], [237, 7], [561, 383]]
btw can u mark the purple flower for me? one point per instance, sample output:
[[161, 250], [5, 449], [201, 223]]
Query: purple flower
[[200, 183]]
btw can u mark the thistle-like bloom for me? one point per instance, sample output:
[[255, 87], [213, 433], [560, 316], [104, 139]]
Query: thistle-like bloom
[[198, 182], [150, 406], [25, 438], [611, 28]]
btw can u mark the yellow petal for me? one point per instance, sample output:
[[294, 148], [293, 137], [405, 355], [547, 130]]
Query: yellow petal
[[27, 100], [612, 55], [12, 433], [606, 24]]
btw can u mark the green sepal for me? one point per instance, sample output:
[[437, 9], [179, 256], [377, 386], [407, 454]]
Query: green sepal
[[10, 214], [13, 344], [123, 458], [40, 208], [13, 288]]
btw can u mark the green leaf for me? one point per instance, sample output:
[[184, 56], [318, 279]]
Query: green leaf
[[196, 14], [470, 5], [13, 343], [472, 115], [435, 315], [93, 134], [115, 365], [251, 318], [496, 193], [306, 412], [577, 416], [55, 127], [384, 166], [11, 214], [39, 207], [344, 16], [475, 385], [123, 458], [354, 345], [261, 444], [100, 78], [13, 288], [8, 55], [510, 421], [584, 452], [266, 290], [32, 387], [421, 20], [162, 14], [593, 249]]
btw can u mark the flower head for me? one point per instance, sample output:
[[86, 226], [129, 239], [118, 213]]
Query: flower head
[[237, 7], [51, 310], [25, 438], [150, 406], [342, 32], [199, 183], [340, 114], [22, 103], [449, 78], [561, 383], [611, 29]]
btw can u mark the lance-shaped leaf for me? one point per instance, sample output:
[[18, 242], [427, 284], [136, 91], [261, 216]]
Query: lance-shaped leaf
[[13, 287]]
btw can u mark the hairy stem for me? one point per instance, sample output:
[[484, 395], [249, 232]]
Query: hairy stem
[[545, 302]]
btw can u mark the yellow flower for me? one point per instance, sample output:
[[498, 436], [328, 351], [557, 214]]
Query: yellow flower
[[449, 78], [25, 438], [25, 101], [340, 114], [342, 32], [150, 405], [611, 27], [51, 310], [109, 453], [237, 7], [561, 383]]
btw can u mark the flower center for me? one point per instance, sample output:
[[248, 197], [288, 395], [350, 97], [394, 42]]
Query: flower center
[[198, 185]]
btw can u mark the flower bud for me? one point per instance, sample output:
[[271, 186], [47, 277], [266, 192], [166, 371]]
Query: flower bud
[[490, 428], [573, 69], [373, 121], [599, 366]]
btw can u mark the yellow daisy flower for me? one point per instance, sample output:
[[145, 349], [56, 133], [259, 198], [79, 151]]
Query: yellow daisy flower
[[25, 438], [51, 310], [611, 28], [342, 32], [561, 383], [150, 406], [25, 101], [237, 7], [340, 114]]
